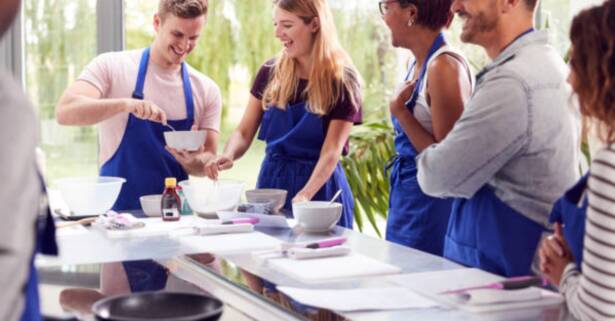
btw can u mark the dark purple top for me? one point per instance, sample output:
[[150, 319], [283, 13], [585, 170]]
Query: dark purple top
[[344, 109]]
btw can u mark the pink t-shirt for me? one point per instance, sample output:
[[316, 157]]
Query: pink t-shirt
[[115, 75]]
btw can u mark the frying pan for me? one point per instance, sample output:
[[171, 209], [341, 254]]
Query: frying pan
[[158, 306]]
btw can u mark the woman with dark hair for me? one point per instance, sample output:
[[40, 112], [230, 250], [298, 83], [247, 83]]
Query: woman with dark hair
[[424, 110], [580, 256]]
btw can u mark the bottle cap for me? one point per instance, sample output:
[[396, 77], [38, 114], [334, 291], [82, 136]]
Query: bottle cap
[[170, 182]]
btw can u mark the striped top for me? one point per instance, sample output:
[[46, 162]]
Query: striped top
[[591, 295]]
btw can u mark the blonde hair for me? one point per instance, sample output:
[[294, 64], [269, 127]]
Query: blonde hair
[[332, 70]]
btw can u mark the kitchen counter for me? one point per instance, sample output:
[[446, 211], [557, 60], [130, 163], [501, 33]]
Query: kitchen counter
[[237, 279]]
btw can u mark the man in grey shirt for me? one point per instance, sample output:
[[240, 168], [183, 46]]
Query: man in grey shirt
[[20, 195], [512, 152]]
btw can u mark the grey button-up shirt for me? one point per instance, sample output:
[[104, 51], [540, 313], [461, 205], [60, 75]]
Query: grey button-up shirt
[[19, 196], [516, 134]]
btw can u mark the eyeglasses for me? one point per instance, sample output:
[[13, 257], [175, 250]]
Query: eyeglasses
[[382, 6]]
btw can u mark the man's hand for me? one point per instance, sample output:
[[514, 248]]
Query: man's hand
[[194, 162], [144, 109]]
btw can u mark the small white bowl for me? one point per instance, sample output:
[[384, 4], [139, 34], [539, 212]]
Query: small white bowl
[[151, 205], [277, 197], [189, 140], [317, 216]]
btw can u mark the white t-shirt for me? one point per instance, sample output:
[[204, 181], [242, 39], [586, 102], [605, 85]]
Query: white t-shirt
[[115, 75]]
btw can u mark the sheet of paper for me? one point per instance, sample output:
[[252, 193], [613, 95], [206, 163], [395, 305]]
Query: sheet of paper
[[390, 298], [264, 220], [331, 268], [431, 284], [231, 243]]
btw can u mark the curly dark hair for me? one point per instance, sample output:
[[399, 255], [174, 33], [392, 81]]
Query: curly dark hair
[[593, 65], [434, 14]]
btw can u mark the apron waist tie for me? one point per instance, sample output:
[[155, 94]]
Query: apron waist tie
[[397, 160], [284, 157]]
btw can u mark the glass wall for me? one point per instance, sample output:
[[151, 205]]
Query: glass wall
[[60, 39]]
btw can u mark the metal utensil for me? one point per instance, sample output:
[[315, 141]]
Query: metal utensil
[[169, 126], [337, 194]]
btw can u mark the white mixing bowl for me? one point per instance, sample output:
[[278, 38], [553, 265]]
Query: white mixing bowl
[[206, 197], [317, 216], [276, 197], [90, 195]]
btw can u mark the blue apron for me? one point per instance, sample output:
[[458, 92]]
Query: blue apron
[[144, 162], [141, 157], [486, 233], [415, 219], [571, 210], [294, 139], [45, 244]]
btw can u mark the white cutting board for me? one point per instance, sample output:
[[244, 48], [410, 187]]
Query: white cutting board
[[431, 284], [154, 226], [231, 243], [331, 268]]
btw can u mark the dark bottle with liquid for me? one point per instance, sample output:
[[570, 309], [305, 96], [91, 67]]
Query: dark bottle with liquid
[[171, 203]]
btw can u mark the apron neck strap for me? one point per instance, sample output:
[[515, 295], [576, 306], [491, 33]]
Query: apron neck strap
[[438, 42], [138, 92], [187, 91]]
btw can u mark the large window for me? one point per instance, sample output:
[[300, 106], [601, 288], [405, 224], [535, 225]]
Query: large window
[[60, 38]]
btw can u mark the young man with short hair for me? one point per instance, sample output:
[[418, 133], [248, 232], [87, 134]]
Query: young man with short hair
[[133, 96]]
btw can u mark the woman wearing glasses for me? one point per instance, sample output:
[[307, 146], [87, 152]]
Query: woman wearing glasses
[[424, 109]]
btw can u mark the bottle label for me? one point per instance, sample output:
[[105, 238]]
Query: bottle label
[[170, 212]]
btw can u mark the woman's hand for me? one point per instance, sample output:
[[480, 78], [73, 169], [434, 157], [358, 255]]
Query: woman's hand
[[302, 196], [214, 166], [401, 96], [554, 255]]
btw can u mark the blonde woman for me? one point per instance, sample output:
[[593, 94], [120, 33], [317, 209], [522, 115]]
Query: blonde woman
[[305, 102]]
